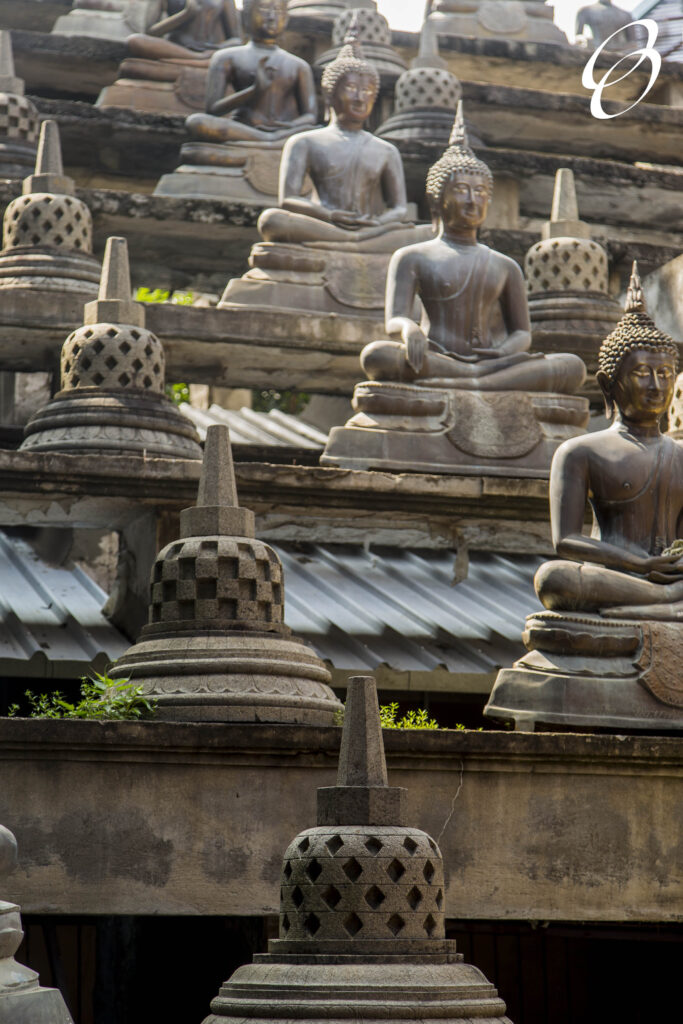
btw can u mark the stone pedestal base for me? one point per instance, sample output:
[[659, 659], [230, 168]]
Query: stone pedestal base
[[498, 19], [157, 87], [93, 420], [444, 430], [114, 25], [390, 989], [318, 278], [34, 1006], [586, 671], [226, 676], [242, 173], [32, 283]]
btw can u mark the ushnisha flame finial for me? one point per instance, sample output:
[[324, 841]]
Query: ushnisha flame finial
[[635, 297], [458, 138], [352, 37]]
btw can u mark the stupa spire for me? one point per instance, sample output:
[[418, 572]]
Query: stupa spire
[[114, 301], [361, 758], [564, 213], [8, 78], [49, 173]]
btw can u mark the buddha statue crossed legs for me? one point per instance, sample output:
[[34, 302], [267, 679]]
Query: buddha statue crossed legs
[[466, 360], [607, 651], [327, 251]]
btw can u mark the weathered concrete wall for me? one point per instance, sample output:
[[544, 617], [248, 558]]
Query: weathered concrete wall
[[145, 818]]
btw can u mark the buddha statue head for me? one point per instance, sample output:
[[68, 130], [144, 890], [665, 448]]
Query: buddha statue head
[[459, 185], [637, 362], [265, 20], [350, 83]]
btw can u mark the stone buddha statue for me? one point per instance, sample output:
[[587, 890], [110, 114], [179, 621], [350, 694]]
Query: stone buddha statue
[[607, 651], [166, 67], [604, 18], [358, 205], [472, 334], [257, 96]]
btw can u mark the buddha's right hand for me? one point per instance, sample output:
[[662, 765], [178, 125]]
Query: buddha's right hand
[[662, 568], [416, 345]]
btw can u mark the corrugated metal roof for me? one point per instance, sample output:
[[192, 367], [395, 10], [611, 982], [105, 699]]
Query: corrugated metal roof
[[257, 428], [669, 16], [361, 609], [51, 624]]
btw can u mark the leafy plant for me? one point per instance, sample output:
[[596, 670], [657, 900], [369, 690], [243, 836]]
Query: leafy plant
[[411, 720], [179, 393], [101, 698], [291, 402], [160, 295]]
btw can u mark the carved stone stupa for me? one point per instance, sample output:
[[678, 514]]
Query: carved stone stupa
[[166, 68], [257, 96], [375, 35], [459, 392], [22, 999], [567, 281], [328, 253], [607, 650], [47, 270], [108, 19], [362, 930], [112, 398], [216, 647], [19, 119]]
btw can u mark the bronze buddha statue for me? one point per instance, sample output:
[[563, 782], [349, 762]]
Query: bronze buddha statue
[[607, 650], [454, 389]]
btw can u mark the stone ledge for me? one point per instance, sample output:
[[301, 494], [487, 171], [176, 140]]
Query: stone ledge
[[197, 817], [66, 65], [32, 15]]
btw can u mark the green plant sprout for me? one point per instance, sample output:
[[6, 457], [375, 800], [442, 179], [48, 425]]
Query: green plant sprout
[[101, 698]]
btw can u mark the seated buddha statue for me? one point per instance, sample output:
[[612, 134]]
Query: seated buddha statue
[[166, 67], [356, 206], [632, 475], [475, 332], [192, 30], [455, 370], [359, 188], [606, 652], [256, 92], [603, 19]]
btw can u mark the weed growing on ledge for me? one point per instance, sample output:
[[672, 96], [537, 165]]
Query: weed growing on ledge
[[101, 698], [411, 720]]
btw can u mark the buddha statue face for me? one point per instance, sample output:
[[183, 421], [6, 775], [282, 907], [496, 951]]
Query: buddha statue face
[[643, 387], [354, 97], [464, 201], [267, 19]]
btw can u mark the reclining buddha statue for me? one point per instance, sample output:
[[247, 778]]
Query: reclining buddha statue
[[454, 387]]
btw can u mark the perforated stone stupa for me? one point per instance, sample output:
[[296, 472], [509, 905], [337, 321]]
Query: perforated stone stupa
[[47, 270], [216, 647], [567, 282], [112, 398], [22, 999], [362, 926], [375, 35], [19, 119]]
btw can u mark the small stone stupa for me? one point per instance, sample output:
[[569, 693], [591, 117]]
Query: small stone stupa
[[567, 282], [362, 924], [22, 999], [216, 647], [47, 270], [112, 398], [19, 119], [424, 98], [373, 31]]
